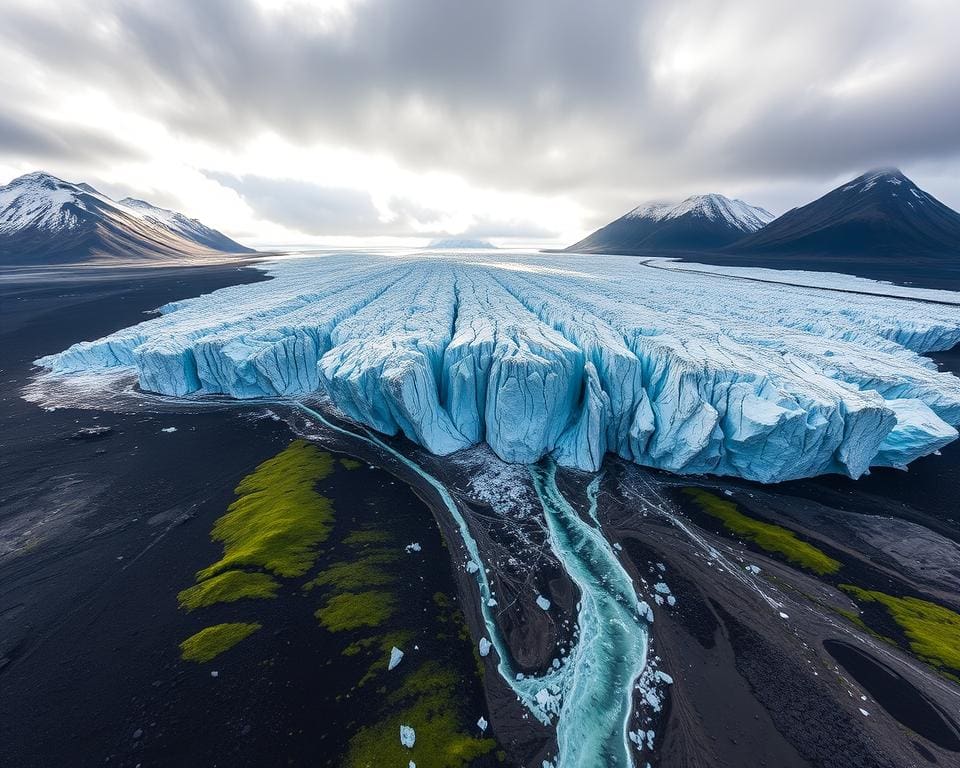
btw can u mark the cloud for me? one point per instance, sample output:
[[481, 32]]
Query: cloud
[[306, 207], [26, 138], [604, 105], [512, 228], [320, 210]]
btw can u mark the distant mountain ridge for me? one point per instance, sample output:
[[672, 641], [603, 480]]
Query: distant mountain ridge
[[696, 223], [44, 220], [858, 226], [458, 242], [881, 212]]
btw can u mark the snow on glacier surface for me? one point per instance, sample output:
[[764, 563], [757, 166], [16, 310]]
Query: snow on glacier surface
[[569, 355]]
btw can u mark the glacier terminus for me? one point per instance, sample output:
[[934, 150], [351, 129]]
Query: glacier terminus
[[570, 356]]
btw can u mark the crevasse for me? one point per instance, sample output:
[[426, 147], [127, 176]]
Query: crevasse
[[571, 356]]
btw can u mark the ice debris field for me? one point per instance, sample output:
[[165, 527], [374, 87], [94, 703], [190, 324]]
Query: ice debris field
[[572, 356]]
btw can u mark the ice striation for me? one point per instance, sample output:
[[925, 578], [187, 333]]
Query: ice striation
[[570, 356]]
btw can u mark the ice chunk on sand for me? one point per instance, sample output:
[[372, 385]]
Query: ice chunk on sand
[[396, 656]]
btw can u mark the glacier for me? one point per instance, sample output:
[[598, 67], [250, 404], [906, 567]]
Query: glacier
[[572, 356]]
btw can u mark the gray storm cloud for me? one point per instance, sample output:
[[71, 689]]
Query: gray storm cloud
[[600, 101]]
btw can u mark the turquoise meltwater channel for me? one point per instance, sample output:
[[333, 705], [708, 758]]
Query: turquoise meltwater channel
[[589, 696]]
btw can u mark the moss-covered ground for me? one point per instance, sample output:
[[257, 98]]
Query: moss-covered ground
[[352, 610], [425, 699], [373, 569], [365, 591], [227, 587], [271, 530], [361, 599], [767, 536], [279, 518], [210, 642], [932, 631]]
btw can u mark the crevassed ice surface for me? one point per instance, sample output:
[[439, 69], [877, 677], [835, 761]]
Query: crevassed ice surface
[[568, 355]]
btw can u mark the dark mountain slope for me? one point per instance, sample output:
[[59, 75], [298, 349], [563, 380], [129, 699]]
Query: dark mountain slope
[[881, 213]]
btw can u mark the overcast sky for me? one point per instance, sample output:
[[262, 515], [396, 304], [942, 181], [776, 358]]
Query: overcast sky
[[287, 121]]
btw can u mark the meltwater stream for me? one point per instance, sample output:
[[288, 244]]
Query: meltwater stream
[[589, 696], [611, 649]]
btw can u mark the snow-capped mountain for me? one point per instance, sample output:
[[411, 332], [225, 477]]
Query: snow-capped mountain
[[881, 212], [44, 219], [701, 222]]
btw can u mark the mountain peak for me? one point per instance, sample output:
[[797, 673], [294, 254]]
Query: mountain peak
[[39, 178], [879, 176], [711, 206], [880, 211], [134, 202], [700, 222], [44, 217]]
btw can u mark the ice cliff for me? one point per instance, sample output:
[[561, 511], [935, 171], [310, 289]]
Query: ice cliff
[[570, 356]]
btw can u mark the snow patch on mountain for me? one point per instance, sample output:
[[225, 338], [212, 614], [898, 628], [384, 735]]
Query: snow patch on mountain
[[569, 356], [37, 200], [893, 176]]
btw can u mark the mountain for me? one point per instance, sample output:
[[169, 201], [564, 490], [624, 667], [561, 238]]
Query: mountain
[[44, 219], [455, 242], [881, 213], [701, 222]]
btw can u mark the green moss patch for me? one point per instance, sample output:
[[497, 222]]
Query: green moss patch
[[227, 587], [370, 570], [278, 518], [381, 643], [351, 463], [352, 610], [772, 538], [365, 537], [932, 630], [210, 642], [427, 700], [362, 596]]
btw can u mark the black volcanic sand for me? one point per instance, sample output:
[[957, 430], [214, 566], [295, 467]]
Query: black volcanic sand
[[752, 687], [896, 695], [99, 533]]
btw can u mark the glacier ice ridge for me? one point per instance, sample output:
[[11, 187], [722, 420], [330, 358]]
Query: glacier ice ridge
[[569, 356]]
